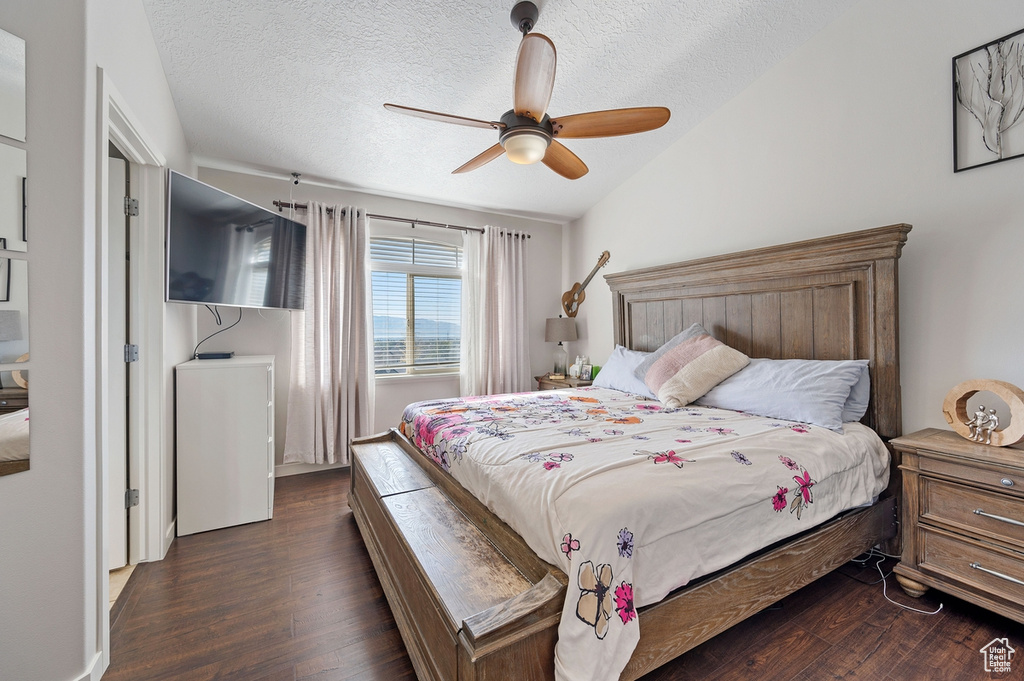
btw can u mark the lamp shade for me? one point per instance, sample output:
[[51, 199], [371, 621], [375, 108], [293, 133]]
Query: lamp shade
[[560, 329], [10, 325]]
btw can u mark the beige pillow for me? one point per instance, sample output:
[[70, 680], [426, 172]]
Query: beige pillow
[[694, 364]]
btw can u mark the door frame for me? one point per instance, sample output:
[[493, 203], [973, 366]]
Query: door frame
[[117, 320], [149, 532], [148, 538]]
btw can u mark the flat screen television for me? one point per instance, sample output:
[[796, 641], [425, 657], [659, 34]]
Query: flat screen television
[[222, 250]]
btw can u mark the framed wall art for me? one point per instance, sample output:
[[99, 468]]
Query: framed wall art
[[5, 275], [988, 103]]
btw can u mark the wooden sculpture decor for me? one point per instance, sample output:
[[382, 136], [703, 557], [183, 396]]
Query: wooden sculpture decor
[[983, 425], [572, 298]]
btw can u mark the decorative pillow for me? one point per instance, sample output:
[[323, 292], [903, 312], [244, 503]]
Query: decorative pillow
[[617, 372], [688, 366], [810, 391]]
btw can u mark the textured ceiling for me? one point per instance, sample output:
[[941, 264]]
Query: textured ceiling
[[298, 85]]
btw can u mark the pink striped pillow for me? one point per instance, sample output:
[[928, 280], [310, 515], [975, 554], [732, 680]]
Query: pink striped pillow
[[691, 364]]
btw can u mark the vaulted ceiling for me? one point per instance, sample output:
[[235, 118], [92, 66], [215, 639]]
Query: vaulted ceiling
[[298, 85]]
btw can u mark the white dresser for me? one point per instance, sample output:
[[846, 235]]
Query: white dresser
[[225, 442]]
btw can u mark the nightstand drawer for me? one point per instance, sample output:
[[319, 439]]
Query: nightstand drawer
[[1001, 517], [997, 479], [974, 565], [9, 403]]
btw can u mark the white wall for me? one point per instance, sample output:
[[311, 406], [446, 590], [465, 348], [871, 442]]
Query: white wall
[[51, 614], [267, 332], [851, 131]]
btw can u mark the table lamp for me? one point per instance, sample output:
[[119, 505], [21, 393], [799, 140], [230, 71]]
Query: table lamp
[[10, 327], [558, 330]]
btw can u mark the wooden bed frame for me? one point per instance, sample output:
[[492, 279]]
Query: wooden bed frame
[[474, 603], [15, 466]]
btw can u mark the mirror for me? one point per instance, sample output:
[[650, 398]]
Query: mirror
[[14, 431], [12, 86], [14, 440], [13, 208]]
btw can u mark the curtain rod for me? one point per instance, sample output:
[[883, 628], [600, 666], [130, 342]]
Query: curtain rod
[[281, 205]]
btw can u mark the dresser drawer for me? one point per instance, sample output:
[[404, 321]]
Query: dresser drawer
[[956, 505], [972, 564], [1010, 480]]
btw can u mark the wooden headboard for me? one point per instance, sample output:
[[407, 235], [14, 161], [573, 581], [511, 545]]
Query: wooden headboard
[[836, 297]]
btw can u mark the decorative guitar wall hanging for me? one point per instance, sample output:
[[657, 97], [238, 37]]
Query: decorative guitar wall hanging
[[574, 297]]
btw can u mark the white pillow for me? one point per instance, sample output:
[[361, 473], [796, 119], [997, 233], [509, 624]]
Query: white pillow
[[857, 403], [617, 373], [808, 391]]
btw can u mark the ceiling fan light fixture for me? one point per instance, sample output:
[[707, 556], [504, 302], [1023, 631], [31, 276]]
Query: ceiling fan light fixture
[[525, 147]]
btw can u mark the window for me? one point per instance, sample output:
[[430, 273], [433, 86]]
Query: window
[[417, 305]]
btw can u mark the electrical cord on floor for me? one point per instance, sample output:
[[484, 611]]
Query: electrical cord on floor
[[863, 562], [875, 553]]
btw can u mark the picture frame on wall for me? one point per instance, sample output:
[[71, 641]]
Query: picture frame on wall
[[5, 274], [988, 103]]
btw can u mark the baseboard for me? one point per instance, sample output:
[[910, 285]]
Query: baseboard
[[172, 530], [284, 470], [94, 672]]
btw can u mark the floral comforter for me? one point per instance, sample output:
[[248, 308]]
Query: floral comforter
[[633, 499]]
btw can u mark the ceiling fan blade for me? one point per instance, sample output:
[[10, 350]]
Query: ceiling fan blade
[[564, 162], [444, 118], [480, 160], [610, 123], [535, 76]]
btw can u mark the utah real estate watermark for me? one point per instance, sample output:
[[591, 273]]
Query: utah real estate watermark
[[997, 654]]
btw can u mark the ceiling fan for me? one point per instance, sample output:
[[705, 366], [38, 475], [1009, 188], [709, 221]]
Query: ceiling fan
[[526, 134]]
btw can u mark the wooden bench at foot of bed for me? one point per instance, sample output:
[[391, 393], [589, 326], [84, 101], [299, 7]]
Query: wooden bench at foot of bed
[[468, 606], [474, 603]]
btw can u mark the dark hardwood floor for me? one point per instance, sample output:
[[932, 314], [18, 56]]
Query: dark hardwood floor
[[296, 598]]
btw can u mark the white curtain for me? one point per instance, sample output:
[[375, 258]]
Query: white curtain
[[495, 349], [330, 399]]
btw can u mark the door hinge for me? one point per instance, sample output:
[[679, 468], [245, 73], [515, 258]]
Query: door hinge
[[131, 206], [131, 498], [131, 353]]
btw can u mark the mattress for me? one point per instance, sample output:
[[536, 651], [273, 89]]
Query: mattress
[[633, 499]]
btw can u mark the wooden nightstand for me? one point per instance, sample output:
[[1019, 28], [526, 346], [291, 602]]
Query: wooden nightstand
[[13, 399], [963, 520], [546, 383]]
